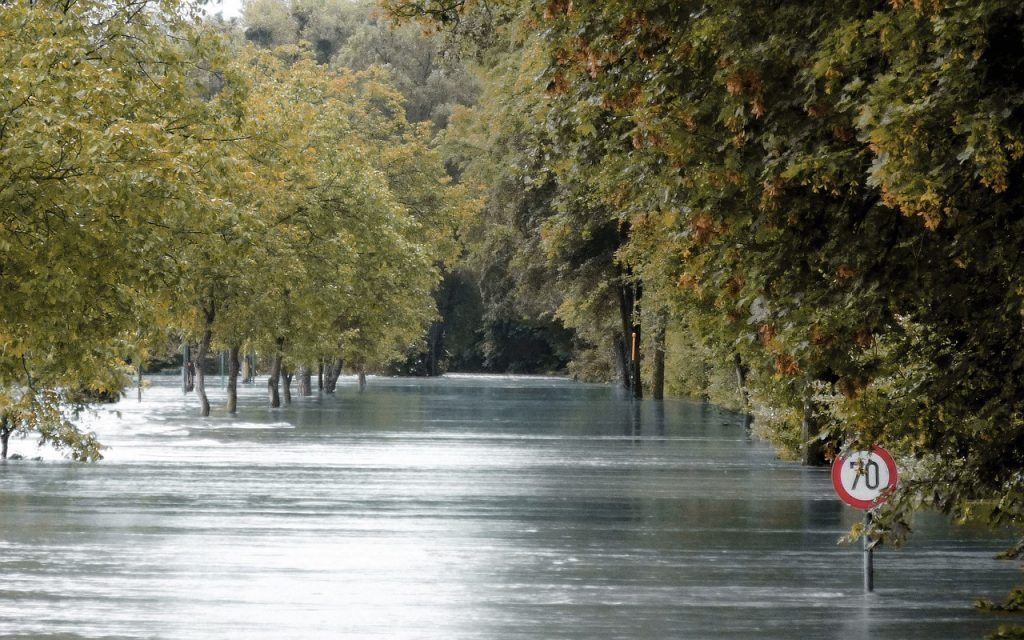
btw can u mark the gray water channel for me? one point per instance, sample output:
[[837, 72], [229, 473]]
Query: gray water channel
[[455, 508]]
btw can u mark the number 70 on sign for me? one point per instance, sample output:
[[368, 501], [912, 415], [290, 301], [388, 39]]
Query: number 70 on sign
[[863, 479]]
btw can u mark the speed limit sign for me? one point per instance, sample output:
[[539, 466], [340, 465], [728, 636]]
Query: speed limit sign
[[863, 479]]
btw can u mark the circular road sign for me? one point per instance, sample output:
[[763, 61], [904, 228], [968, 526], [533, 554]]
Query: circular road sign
[[863, 479]]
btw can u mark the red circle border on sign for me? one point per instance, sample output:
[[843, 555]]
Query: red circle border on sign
[[837, 467]]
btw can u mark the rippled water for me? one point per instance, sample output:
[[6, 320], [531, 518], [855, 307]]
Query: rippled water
[[456, 508]]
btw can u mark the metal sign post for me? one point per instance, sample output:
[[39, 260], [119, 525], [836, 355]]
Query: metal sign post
[[869, 563], [864, 479]]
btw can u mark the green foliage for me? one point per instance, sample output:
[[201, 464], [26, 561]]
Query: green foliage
[[157, 179], [355, 36], [829, 193], [103, 150], [418, 67], [1014, 602], [537, 264], [1007, 632]]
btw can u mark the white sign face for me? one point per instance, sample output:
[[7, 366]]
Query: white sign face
[[861, 478]]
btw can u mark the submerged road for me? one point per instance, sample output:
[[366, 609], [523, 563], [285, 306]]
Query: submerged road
[[468, 507]]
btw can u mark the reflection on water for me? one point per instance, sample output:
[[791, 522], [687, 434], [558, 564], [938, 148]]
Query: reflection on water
[[465, 507]]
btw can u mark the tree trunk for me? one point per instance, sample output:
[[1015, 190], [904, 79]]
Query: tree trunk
[[204, 347], [138, 380], [331, 376], [658, 375], [287, 384], [636, 383], [741, 380], [305, 381], [433, 347], [328, 375], [626, 316], [813, 453], [5, 436], [274, 380], [233, 366], [621, 361], [362, 381], [186, 370], [320, 377]]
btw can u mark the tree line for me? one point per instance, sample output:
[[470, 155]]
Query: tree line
[[161, 176], [810, 212]]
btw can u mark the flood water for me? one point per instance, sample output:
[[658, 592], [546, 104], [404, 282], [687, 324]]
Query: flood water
[[455, 508]]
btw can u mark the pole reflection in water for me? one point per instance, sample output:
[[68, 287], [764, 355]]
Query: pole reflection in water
[[456, 508]]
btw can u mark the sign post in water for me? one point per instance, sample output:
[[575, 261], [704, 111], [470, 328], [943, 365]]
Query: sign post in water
[[863, 479]]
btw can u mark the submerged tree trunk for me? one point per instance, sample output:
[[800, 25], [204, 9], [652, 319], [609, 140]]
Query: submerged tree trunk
[[625, 315], [233, 366], [204, 347], [362, 381], [5, 436], [658, 375], [813, 453], [320, 376], [305, 381], [626, 292], [328, 375], [287, 375], [741, 381], [433, 347], [621, 361], [630, 292], [331, 376], [138, 380], [274, 380], [636, 383], [187, 368]]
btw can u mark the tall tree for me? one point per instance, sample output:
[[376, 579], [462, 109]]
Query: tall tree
[[102, 133]]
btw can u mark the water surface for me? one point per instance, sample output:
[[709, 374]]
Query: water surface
[[456, 508]]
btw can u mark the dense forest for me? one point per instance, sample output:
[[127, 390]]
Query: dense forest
[[811, 213]]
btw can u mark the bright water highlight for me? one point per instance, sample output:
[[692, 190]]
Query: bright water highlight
[[482, 507]]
